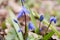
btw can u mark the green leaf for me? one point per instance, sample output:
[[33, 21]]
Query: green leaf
[[33, 36], [34, 22], [3, 25], [48, 36], [53, 28], [11, 34], [58, 1], [26, 33], [15, 25]]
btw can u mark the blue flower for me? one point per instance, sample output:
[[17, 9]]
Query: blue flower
[[19, 30], [20, 14], [15, 21], [55, 20], [24, 10], [23, 0], [40, 29], [52, 19], [31, 26], [41, 18]]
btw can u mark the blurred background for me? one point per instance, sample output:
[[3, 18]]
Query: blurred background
[[46, 7]]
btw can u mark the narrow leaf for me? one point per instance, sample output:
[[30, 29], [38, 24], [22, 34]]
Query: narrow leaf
[[34, 22]]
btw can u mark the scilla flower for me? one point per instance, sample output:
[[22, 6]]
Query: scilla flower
[[31, 26], [55, 20], [24, 10], [41, 18], [15, 21], [23, 0], [52, 19], [19, 30], [40, 29]]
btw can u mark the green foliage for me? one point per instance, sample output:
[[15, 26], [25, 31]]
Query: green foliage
[[58, 18], [34, 22], [58, 1], [32, 35], [48, 36], [11, 35], [4, 25], [15, 25], [53, 28]]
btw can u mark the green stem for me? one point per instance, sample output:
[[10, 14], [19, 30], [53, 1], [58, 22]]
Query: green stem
[[47, 28], [16, 26], [26, 28], [53, 28]]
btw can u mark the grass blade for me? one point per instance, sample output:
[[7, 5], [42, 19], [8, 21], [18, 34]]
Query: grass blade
[[34, 22], [16, 26], [53, 28], [46, 37]]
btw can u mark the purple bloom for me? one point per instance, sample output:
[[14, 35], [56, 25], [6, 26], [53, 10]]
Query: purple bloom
[[24, 10], [19, 30], [15, 21], [31, 26], [41, 18], [40, 29], [20, 14], [53, 19], [23, 0]]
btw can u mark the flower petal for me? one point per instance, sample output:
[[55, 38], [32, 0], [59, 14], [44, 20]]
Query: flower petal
[[19, 30], [15, 21], [41, 17], [25, 10], [40, 29], [31, 26], [53, 19], [20, 14]]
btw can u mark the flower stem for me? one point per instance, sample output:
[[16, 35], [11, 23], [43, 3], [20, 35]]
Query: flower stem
[[47, 28], [22, 3], [26, 32], [40, 25]]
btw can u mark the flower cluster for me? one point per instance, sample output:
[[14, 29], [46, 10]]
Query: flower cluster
[[24, 10], [41, 18], [31, 26], [52, 19]]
